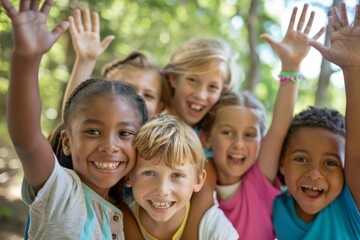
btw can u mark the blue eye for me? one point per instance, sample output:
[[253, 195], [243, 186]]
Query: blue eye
[[177, 175], [149, 173]]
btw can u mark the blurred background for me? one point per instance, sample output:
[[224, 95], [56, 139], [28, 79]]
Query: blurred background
[[157, 28]]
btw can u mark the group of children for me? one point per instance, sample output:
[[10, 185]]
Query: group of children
[[177, 191]]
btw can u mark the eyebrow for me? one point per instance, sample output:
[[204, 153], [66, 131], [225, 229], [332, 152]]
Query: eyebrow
[[98, 122], [326, 153]]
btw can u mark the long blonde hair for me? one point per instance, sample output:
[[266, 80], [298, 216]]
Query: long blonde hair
[[194, 54]]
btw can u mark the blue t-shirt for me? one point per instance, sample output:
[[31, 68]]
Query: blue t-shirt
[[208, 153], [339, 220]]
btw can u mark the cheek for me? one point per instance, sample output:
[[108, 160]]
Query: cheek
[[337, 181], [213, 98], [217, 142]]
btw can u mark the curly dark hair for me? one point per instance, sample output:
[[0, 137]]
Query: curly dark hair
[[315, 117]]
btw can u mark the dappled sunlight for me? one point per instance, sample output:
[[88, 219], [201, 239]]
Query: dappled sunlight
[[13, 211]]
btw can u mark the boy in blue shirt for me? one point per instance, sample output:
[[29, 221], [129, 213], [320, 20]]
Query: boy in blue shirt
[[323, 197]]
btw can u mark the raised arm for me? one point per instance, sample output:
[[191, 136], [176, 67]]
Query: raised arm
[[291, 51], [31, 40], [345, 52], [86, 42]]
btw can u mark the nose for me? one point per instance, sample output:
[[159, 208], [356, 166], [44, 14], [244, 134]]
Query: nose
[[109, 146], [200, 92], [313, 173], [239, 143], [162, 187]]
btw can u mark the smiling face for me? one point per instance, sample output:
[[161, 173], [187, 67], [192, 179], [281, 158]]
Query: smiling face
[[146, 83], [234, 140], [163, 192], [195, 94], [100, 141], [313, 170]]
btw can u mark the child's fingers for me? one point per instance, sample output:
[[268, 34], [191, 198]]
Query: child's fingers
[[331, 28], [292, 19], [318, 35], [87, 20], [343, 15], [335, 19], [324, 51], [9, 9], [95, 22], [357, 16], [60, 29], [78, 21], [273, 44], [34, 5], [106, 42], [24, 5], [72, 27], [309, 24], [45, 8], [302, 18]]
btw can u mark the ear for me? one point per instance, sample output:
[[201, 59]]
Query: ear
[[282, 166], [127, 180], [225, 87], [65, 139], [200, 181], [205, 139], [160, 107], [172, 80]]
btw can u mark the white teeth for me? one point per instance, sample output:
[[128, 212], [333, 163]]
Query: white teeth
[[196, 107], [239, 156], [312, 188], [160, 204], [107, 165]]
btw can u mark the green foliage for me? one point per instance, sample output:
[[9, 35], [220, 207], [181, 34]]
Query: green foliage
[[157, 28], [6, 213]]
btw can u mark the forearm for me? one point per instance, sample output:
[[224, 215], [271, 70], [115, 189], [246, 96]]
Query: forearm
[[200, 202], [271, 145], [23, 100], [352, 152], [82, 70]]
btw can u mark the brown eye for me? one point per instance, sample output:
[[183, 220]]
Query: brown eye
[[93, 132]]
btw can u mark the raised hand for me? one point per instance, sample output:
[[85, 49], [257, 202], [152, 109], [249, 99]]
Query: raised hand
[[345, 39], [86, 37], [31, 35], [294, 47]]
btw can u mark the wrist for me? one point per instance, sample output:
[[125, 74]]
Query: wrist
[[28, 57], [285, 77], [85, 61], [291, 68]]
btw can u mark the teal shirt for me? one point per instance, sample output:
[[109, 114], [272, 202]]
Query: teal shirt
[[339, 220], [208, 153]]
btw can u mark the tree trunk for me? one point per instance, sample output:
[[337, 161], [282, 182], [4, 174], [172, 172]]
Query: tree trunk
[[325, 72], [252, 23]]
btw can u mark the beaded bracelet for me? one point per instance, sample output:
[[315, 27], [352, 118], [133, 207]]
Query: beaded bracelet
[[295, 77]]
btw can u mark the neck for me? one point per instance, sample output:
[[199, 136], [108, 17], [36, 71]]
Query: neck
[[306, 217]]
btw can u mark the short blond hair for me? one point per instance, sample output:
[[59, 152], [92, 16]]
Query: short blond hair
[[172, 140], [198, 52]]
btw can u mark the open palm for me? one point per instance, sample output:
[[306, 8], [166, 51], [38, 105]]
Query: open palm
[[31, 35]]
